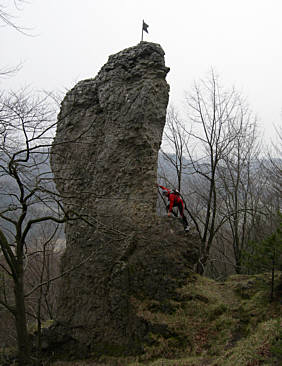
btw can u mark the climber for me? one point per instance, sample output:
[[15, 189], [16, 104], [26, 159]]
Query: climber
[[175, 200]]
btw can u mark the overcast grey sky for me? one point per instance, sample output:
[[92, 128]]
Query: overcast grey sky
[[240, 39]]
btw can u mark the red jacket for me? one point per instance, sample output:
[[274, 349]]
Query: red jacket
[[174, 199]]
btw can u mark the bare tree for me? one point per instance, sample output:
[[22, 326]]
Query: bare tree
[[240, 176], [210, 155], [213, 113], [7, 16], [28, 195], [42, 265], [273, 165]]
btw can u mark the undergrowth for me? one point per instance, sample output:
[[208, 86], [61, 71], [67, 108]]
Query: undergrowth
[[232, 323]]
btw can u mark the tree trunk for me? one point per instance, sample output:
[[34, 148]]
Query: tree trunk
[[272, 277], [238, 267], [21, 323], [200, 268]]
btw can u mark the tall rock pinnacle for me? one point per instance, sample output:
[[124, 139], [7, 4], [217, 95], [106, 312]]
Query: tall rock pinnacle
[[104, 160]]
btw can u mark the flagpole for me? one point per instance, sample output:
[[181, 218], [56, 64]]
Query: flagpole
[[144, 28]]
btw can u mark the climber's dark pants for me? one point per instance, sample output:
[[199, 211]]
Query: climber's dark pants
[[180, 207]]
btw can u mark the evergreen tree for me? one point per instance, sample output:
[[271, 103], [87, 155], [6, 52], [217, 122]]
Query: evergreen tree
[[265, 255]]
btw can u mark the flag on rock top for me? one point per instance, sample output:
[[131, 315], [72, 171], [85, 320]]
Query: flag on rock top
[[145, 27]]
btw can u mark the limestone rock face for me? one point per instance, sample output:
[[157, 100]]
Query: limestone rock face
[[104, 160]]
